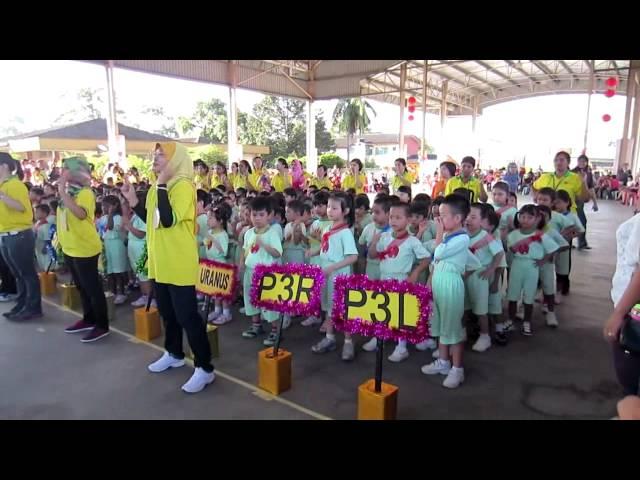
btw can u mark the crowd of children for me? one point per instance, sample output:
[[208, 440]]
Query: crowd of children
[[471, 254]]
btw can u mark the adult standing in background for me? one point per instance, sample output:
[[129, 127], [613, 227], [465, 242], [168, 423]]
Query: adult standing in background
[[356, 179], [563, 179], [512, 177], [259, 178], [584, 170], [402, 177], [447, 171], [467, 180]]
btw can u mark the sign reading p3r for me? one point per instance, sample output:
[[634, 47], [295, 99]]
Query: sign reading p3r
[[386, 309], [294, 289]]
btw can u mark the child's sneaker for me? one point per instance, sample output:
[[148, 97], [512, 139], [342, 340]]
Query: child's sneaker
[[214, 315], [242, 311], [252, 332], [454, 378], [428, 344], [526, 329], [120, 299], [371, 345], [310, 322], [399, 354], [552, 321], [438, 366], [482, 344], [501, 339], [545, 308], [348, 351], [508, 326], [222, 319], [270, 341], [436, 353], [286, 321], [141, 302], [323, 346]]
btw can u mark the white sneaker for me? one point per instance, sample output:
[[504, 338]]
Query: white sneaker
[[438, 366], [545, 308], [399, 354], [141, 302], [454, 378], [286, 321], [120, 299], [482, 344], [198, 381], [371, 345], [436, 353], [165, 362], [310, 322], [153, 303], [214, 315], [222, 319], [508, 326], [428, 344], [552, 321], [243, 311]]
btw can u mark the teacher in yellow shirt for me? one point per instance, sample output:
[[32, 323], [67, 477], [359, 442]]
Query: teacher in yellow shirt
[[321, 180], [259, 180], [355, 179], [282, 179], [467, 180], [563, 179], [170, 213], [402, 177], [17, 240]]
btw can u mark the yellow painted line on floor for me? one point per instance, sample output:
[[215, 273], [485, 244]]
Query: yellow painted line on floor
[[255, 390]]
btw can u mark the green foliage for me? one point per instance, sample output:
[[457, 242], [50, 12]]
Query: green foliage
[[209, 121], [330, 160], [168, 125], [210, 154], [371, 163], [142, 164], [324, 139]]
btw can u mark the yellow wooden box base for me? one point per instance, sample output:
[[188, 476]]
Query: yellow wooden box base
[[374, 405], [71, 297], [48, 284], [147, 323], [274, 374], [212, 336]]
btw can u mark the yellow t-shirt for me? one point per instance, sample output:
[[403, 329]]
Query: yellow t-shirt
[[215, 181], [200, 181], [457, 182], [570, 182], [79, 238], [254, 179], [277, 182], [173, 251], [240, 182], [325, 182], [350, 182], [12, 220], [396, 183], [232, 179]]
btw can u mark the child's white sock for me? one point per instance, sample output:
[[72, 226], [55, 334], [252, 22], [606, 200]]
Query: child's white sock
[[348, 340], [331, 336], [402, 344], [226, 311], [218, 309], [499, 327]]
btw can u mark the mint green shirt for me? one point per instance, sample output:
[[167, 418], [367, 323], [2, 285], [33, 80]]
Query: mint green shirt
[[270, 238], [212, 253], [410, 250], [487, 253], [537, 250]]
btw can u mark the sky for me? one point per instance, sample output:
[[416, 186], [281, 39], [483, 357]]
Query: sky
[[33, 93]]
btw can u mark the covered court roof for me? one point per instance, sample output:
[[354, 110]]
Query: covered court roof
[[463, 84]]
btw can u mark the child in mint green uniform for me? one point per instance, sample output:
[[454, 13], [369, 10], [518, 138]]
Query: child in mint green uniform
[[203, 201], [216, 242], [450, 259], [380, 224], [489, 252], [572, 227], [115, 249], [42, 228], [262, 245], [531, 248], [295, 241], [338, 252], [397, 252]]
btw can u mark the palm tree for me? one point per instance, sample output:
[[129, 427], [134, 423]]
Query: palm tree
[[350, 116]]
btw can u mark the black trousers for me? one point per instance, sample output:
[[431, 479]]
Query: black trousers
[[178, 308], [18, 251], [7, 280], [627, 367], [84, 272], [582, 238]]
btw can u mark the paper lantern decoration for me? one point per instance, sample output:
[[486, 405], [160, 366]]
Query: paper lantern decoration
[[612, 81], [412, 108], [410, 118], [606, 117], [412, 100], [609, 93]]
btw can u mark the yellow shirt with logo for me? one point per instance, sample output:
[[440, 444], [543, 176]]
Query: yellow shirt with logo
[[163, 243], [254, 179], [240, 182], [397, 183], [321, 183], [12, 220], [570, 182], [457, 182], [278, 182], [350, 182], [79, 238]]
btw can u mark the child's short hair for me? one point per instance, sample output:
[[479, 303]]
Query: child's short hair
[[483, 208], [437, 201], [384, 202], [37, 191], [493, 218], [394, 198], [53, 204], [532, 210], [504, 186], [513, 195], [307, 206], [470, 160], [419, 208], [405, 189], [422, 197], [204, 197], [292, 192], [44, 208], [464, 193], [346, 202], [261, 204], [405, 207], [320, 198], [241, 192], [278, 199], [114, 201], [297, 206], [351, 191], [564, 196], [362, 201], [548, 192], [543, 209], [221, 188], [458, 204]]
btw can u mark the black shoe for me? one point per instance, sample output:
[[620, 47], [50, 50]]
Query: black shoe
[[501, 338], [11, 314], [26, 316]]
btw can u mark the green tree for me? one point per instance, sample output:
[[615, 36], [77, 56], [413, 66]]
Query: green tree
[[89, 105], [350, 117], [209, 154], [324, 139], [209, 119], [330, 160], [371, 163], [168, 125]]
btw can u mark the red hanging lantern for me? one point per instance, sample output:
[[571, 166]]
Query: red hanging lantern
[[612, 81], [412, 108], [606, 117], [410, 118], [412, 100], [609, 93]]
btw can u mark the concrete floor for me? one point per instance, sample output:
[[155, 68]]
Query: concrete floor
[[556, 374]]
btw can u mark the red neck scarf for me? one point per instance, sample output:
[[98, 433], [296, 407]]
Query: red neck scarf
[[483, 242], [523, 245], [394, 247], [324, 244]]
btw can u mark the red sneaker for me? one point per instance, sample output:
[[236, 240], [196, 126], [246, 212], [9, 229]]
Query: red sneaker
[[79, 326], [95, 334]]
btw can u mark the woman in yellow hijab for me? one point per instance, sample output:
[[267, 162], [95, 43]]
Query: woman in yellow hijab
[[170, 212]]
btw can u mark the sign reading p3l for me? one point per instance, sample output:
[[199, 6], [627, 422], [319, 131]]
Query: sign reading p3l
[[217, 279], [294, 289], [387, 309]]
